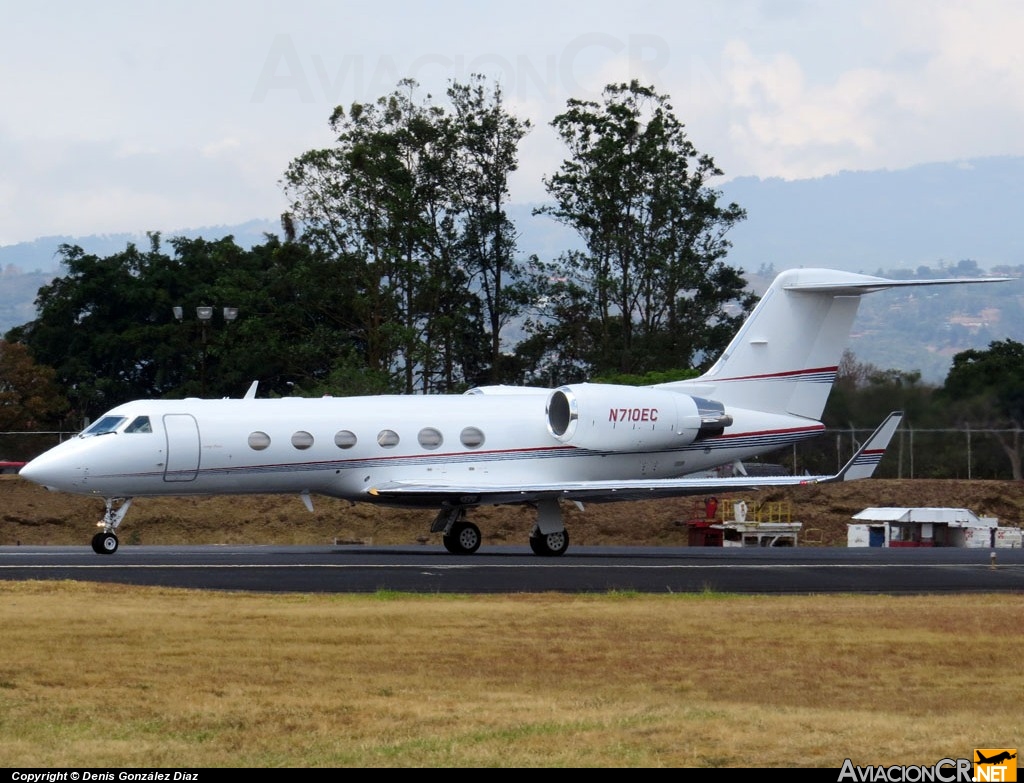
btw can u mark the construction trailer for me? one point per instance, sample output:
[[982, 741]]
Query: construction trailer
[[928, 527], [732, 523]]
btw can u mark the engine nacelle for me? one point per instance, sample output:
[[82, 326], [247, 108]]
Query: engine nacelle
[[607, 417]]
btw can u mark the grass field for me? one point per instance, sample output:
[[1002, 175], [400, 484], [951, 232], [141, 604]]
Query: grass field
[[114, 676]]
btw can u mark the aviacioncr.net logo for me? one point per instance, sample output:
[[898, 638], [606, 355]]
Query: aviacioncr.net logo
[[943, 771]]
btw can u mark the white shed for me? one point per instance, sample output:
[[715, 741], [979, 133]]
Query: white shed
[[909, 527]]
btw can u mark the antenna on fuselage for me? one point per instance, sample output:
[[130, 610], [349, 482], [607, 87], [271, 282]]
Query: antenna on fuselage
[[251, 394]]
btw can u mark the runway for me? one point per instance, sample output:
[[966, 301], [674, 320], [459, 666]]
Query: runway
[[514, 569]]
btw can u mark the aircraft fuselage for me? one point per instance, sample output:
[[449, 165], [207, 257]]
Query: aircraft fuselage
[[343, 447]]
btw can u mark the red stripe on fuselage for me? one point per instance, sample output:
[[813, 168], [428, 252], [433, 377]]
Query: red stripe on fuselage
[[786, 374], [763, 433]]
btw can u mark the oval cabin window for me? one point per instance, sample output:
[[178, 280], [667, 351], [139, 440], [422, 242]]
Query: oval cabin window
[[258, 441], [302, 440], [344, 439], [472, 438], [430, 438]]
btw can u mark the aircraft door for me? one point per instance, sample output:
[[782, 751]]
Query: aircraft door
[[182, 447]]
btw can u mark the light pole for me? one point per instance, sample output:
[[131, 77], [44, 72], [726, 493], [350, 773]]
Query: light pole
[[204, 314]]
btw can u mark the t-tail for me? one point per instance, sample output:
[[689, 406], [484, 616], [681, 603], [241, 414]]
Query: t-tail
[[784, 358]]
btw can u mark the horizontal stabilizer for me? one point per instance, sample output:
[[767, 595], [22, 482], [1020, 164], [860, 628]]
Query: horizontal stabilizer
[[863, 463]]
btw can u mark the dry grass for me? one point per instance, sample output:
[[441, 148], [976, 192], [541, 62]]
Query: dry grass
[[104, 675]]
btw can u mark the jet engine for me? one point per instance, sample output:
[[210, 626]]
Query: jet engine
[[608, 417]]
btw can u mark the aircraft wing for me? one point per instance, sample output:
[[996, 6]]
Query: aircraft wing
[[861, 465]]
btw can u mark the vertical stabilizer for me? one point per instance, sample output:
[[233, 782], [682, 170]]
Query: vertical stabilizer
[[784, 358]]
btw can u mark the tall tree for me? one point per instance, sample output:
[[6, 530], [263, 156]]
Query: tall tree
[[378, 204], [409, 202], [488, 138], [639, 195], [987, 388]]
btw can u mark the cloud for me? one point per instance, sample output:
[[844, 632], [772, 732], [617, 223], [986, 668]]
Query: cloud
[[86, 187], [195, 106]]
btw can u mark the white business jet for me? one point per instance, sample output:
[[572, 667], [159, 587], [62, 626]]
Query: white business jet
[[498, 444]]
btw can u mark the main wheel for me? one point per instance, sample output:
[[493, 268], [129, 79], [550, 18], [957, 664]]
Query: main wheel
[[463, 539], [550, 545], [104, 543]]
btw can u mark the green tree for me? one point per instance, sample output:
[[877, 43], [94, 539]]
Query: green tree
[[29, 396], [363, 203], [96, 326], [108, 329], [861, 397], [487, 142], [986, 388], [638, 193]]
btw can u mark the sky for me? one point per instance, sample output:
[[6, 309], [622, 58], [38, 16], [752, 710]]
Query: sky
[[159, 116]]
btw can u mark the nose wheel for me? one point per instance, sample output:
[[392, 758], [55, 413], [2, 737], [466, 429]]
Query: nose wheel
[[104, 543]]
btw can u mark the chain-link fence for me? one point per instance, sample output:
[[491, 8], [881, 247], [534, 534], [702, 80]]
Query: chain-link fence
[[23, 446], [958, 453]]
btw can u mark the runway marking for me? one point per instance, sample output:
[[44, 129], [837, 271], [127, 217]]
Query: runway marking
[[470, 566]]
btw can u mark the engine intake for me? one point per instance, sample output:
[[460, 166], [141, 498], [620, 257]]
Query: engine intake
[[609, 417]]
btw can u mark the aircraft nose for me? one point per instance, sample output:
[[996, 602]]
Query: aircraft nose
[[35, 471], [45, 470]]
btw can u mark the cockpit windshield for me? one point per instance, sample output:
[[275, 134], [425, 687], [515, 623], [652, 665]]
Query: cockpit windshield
[[139, 424], [104, 425]]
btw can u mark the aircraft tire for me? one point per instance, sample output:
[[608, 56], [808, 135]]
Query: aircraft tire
[[464, 539], [104, 543], [550, 545]]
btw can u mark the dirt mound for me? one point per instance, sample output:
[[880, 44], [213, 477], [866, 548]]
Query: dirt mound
[[31, 515]]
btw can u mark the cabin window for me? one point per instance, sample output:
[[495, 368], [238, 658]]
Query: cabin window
[[344, 439], [258, 441], [105, 424], [430, 438], [472, 438], [140, 424], [387, 439], [302, 440]]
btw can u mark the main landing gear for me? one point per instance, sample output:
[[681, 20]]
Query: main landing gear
[[461, 537], [105, 542], [549, 537], [550, 545]]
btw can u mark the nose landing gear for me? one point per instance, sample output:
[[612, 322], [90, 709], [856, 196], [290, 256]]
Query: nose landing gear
[[105, 542]]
